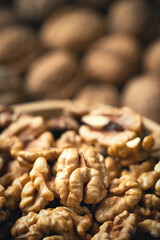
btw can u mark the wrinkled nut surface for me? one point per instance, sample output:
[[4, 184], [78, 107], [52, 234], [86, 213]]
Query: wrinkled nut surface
[[3, 213], [150, 226], [124, 194], [113, 168], [26, 128], [121, 228], [58, 223], [38, 190], [132, 151], [81, 177]]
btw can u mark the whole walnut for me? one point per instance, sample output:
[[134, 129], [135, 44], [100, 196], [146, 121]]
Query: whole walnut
[[74, 28], [54, 75], [133, 17], [151, 60], [99, 93], [7, 17], [112, 59], [18, 47], [142, 93], [36, 10]]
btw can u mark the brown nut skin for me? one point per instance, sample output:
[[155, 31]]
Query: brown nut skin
[[7, 17], [144, 103], [36, 10], [7, 116], [112, 59], [132, 17], [74, 28], [150, 226], [125, 193], [52, 71], [121, 228], [151, 59], [18, 47], [102, 92], [3, 212], [60, 223]]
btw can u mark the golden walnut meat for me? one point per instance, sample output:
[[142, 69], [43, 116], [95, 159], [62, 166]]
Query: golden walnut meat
[[36, 10], [81, 177], [150, 226], [18, 47], [60, 223], [109, 125], [124, 194], [151, 59], [26, 127], [132, 151], [98, 93], [74, 28], [121, 228], [113, 167], [3, 213], [7, 116], [112, 59], [146, 103], [59, 74], [69, 139], [133, 17]]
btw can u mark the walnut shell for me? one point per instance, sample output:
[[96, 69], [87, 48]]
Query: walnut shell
[[133, 17], [102, 92], [36, 10], [112, 58], [55, 75], [151, 60], [142, 93], [18, 47], [74, 28]]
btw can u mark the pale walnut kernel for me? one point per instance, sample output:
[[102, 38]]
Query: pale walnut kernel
[[58, 223], [150, 226], [69, 139], [26, 128], [113, 167], [75, 171], [135, 170], [132, 151], [149, 179], [38, 191], [124, 194], [121, 228], [13, 192]]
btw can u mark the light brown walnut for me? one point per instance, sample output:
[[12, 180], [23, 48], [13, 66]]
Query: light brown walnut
[[7, 115], [81, 177], [151, 227], [132, 151], [13, 192], [121, 228], [3, 213], [135, 170], [26, 128], [113, 167], [150, 179], [59, 224], [124, 194], [39, 189], [124, 124], [69, 139]]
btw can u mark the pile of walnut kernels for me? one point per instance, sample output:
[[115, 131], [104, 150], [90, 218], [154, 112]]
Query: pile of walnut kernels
[[87, 173]]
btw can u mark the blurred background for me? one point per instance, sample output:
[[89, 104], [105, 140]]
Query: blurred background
[[104, 51]]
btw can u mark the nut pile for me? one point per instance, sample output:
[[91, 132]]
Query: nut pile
[[101, 51], [84, 175]]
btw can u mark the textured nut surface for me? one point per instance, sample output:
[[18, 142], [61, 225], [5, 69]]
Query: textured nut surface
[[124, 194], [52, 71], [81, 177], [3, 213], [6, 116], [132, 151], [121, 228], [18, 37], [59, 222], [74, 28], [26, 128], [112, 59], [150, 226], [113, 167]]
